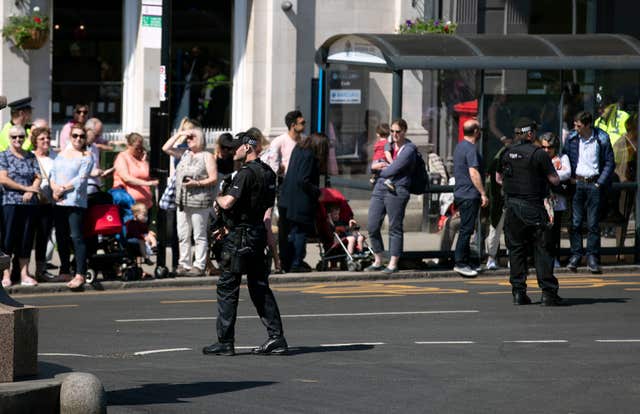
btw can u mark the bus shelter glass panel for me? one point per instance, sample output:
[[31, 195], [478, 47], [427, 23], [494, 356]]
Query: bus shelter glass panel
[[358, 101]]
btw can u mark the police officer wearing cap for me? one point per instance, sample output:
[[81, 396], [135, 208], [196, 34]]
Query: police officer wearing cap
[[526, 172], [242, 206], [20, 115]]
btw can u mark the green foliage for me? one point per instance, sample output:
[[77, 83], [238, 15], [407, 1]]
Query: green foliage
[[21, 29], [420, 26]]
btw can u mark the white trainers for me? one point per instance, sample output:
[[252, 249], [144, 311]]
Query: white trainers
[[465, 271], [491, 264]]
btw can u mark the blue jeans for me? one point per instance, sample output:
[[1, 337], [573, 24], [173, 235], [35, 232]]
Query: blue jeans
[[395, 205], [468, 208], [68, 222], [586, 205]]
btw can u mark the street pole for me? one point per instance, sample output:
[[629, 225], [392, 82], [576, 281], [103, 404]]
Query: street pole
[[159, 134]]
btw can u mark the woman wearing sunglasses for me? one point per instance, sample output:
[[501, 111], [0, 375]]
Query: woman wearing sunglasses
[[68, 180], [196, 177], [80, 116], [20, 177]]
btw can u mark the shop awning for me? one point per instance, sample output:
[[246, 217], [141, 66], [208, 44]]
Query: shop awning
[[485, 51]]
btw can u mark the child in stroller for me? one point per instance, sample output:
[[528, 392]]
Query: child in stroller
[[341, 243], [143, 240]]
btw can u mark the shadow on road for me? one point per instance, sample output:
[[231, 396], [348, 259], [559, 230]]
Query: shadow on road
[[176, 393], [50, 370], [592, 301], [300, 350]]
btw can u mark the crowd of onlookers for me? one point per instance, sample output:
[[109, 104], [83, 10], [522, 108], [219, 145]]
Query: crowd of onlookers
[[46, 191]]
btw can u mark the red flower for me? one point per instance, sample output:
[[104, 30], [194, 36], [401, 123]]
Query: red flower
[[37, 20], [446, 29]]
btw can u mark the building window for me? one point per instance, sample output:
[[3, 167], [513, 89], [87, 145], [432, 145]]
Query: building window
[[87, 60]]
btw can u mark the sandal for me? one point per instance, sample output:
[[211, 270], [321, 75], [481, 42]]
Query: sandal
[[76, 283], [28, 281]]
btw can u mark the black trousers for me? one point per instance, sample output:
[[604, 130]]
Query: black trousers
[[228, 289], [526, 230]]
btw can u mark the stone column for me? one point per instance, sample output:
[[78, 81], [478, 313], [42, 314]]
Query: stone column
[[18, 339], [14, 63], [141, 69]]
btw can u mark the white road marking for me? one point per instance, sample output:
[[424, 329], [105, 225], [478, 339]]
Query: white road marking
[[542, 341], [352, 344], [618, 340], [61, 354], [158, 351], [317, 315], [444, 342]]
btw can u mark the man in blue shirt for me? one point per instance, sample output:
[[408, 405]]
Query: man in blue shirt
[[469, 194], [592, 166]]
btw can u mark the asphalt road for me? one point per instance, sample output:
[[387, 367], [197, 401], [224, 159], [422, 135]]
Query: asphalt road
[[417, 346]]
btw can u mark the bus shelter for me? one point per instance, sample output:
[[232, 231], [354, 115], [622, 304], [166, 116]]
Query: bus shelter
[[436, 81]]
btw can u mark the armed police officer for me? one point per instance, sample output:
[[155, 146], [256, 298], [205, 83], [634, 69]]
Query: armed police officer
[[526, 172], [242, 206]]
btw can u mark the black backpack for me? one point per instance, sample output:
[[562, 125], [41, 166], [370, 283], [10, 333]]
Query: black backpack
[[419, 178]]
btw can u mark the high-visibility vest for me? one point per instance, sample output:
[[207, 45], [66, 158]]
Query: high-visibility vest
[[614, 123]]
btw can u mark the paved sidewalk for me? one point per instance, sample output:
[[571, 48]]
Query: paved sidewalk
[[414, 241]]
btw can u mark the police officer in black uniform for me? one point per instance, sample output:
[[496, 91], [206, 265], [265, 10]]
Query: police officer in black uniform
[[242, 206], [526, 172]]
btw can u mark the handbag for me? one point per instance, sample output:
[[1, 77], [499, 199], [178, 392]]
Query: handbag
[[168, 199]]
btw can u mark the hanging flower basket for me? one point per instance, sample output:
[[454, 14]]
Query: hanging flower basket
[[28, 31], [36, 40]]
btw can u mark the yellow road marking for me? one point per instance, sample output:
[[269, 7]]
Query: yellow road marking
[[369, 289], [56, 306]]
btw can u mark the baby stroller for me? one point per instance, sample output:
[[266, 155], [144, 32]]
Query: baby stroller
[[107, 252], [333, 247]]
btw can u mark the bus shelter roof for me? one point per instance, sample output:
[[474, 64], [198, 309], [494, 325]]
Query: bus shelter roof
[[396, 52]]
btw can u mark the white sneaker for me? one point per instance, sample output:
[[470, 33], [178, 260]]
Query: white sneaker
[[491, 264], [465, 271]]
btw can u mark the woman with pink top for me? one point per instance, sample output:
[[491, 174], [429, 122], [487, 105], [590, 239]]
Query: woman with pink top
[[132, 171]]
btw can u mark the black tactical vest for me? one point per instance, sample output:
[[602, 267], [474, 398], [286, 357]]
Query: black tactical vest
[[261, 198], [520, 178]]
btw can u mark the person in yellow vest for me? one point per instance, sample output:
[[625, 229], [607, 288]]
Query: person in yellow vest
[[215, 95], [612, 121], [20, 115]]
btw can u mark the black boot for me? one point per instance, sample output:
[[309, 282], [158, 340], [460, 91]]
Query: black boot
[[273, 346], [551, 299], [520, 298], [220, 348]]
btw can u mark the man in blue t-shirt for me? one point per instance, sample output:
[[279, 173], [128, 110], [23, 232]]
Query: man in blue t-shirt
[[469, 194]]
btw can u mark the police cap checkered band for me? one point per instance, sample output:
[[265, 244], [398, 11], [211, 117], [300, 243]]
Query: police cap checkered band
[[247, 138]]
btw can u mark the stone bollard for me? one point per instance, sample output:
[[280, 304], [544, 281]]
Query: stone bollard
[[18, 339], [82, 393]]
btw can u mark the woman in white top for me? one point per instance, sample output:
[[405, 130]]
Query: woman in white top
[[44, 220], [551, 144]]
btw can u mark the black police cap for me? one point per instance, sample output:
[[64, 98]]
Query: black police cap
[[24, 103]]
